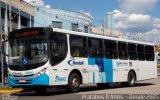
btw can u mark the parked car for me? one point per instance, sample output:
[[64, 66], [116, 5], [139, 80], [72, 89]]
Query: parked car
[[5, 73]]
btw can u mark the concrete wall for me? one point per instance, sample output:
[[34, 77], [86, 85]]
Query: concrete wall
[[107, 32]]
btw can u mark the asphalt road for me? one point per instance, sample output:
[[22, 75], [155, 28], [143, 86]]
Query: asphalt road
[[144, 87]]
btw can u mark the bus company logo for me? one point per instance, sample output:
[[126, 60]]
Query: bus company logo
[[122, 63], [73, 62], [17, 74], [29, 72], [60, 79]]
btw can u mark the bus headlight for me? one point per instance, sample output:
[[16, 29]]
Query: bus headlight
[[41, 72]]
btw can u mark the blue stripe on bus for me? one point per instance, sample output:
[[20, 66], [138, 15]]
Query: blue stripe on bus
[[91, 61], [108, 69], [93, 77]]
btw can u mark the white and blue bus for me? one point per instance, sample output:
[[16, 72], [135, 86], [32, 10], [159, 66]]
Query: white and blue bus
[[48, 57]]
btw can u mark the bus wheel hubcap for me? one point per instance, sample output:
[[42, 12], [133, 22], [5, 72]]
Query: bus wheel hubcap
[[75, 82], [131, 79]]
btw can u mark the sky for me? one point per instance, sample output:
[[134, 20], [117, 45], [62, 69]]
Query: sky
[[135, 18]]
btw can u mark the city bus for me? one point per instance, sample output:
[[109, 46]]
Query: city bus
[[43, 57]]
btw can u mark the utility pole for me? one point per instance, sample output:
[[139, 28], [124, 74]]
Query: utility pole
[[1, 32], [10, 16], [103, 24]]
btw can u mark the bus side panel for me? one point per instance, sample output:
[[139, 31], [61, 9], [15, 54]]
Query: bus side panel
[[134, 65], [147, 70], [58, 77], [121, 69], [59, 73]]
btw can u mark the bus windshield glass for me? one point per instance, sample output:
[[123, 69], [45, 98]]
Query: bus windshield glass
[[25, 51]]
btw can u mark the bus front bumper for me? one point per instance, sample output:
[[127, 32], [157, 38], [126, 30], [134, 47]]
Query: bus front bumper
[[42, 80]]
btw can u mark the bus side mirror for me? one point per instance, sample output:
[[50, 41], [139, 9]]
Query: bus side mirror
[[4, 48]]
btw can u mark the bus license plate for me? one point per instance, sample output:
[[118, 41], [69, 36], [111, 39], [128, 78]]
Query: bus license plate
[[22, 81]]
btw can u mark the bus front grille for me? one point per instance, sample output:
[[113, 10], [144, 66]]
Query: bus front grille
[[26, 82]]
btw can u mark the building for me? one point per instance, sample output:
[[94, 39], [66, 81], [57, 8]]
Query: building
[[107, 32], [109, 21], [70, 20], [15, 14], [20, 13], [63, 19]]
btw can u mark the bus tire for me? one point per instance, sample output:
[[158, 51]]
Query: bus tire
[[74, 83], [40, 90], [130, 80]]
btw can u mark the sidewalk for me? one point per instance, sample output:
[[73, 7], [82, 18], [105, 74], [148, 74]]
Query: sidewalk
[[9, 90]]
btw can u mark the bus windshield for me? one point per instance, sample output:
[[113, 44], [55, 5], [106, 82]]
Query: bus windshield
[[27, 51]]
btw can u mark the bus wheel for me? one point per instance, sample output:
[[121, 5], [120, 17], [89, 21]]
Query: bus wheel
[[74, 83], [40, 90], [103, 85], [131, 80]]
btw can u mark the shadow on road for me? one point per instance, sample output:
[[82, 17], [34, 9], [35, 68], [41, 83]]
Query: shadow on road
[[64, 91]]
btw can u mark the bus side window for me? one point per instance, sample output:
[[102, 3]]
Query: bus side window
[[110, 49], [149, 53], [108, 54], [36, 50], [141, 52], [54, 49], [76, 53], [122, 50], [58, 48], [95, 48], [78, 46], [132, 52]]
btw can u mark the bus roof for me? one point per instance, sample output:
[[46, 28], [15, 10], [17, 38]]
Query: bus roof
[[83, 34], [100, 36]]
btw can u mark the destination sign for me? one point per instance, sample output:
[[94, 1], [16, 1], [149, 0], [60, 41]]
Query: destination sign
[[26, 33]]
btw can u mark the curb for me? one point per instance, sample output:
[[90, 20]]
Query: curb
[[10, 91]]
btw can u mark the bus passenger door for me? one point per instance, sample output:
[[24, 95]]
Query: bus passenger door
[[58, 52]]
